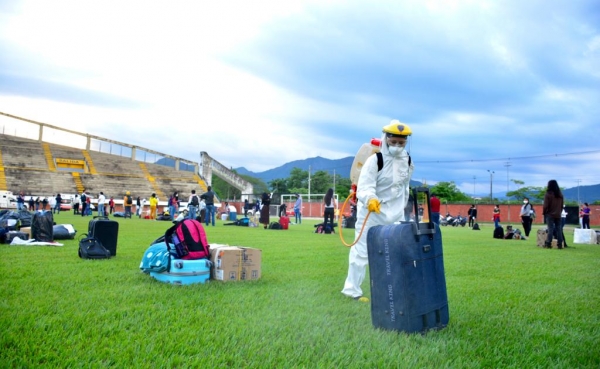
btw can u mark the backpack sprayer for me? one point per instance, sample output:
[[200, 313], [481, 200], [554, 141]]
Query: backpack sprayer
[[366, 150]]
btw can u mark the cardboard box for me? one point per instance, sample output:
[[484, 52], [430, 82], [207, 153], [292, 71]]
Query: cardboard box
[[26, 230], [234, 263]]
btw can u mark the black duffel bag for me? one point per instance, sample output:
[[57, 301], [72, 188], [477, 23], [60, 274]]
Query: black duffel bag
[[91, 248]]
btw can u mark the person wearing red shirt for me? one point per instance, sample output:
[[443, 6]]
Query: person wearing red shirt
[[435, 209]]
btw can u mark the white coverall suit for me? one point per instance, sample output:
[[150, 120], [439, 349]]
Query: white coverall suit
[[391, 187]]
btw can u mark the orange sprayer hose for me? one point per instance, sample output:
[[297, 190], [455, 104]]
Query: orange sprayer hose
[[361, 229]]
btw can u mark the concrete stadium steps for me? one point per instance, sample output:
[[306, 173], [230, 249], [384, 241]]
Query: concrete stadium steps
[[26, 169], [39, 181], [152, 181], [116, 185], [22, 153]]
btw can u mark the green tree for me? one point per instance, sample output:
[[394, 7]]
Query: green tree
[[342, 187], [226, 191], [298, 179], [320, 182], [279, 185], [449, 191], [535, 194]]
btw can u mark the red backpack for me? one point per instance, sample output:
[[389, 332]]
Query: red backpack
[[187, 240]]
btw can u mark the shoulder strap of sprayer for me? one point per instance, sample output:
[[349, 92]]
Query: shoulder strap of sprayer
[[380, 161]]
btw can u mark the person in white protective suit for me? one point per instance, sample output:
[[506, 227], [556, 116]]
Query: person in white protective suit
[[384, 193]]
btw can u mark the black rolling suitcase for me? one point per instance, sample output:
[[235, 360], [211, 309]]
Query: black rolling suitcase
[[406, 267], [106, 231]]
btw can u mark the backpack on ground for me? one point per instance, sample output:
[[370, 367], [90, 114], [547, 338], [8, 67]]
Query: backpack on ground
[[91, 248], [476, 227], [275, 225], [187, 240], [195, 201], [129, 200], [499, 232]]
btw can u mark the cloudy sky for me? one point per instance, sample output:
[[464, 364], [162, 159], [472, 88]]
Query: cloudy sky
[[483, 84]]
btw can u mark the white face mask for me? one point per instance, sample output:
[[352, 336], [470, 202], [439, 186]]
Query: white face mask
[[395, 150], [525, 202]]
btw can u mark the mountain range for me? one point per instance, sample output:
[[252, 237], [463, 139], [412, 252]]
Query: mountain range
[[342, 167]]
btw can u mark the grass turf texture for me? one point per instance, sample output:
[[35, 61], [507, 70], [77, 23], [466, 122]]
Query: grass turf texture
[[512, 304]]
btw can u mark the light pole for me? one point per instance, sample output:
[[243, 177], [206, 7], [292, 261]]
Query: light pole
[[491, 192], [507, 165]]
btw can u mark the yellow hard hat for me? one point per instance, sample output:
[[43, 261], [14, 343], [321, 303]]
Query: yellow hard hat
[[397, 128], [127, 193]]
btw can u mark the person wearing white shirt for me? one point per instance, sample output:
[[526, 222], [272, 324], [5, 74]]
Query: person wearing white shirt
[[101, 200]]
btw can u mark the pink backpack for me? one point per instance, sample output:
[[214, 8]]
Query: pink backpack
[[187, 240]]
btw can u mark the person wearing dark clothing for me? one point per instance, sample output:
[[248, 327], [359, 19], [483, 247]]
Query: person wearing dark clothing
[[329, 203], [246, 207], [20, 202], [57, 205], [552, 209], [31, 203], [472, 213], [282, 210], [264, 210], [83, 203], [526, 216], [209, 200], [44, 203]]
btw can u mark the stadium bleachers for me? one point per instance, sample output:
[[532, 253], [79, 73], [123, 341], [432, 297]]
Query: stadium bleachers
[[26, 169]]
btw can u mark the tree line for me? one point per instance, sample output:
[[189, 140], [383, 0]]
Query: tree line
[[321, 181]]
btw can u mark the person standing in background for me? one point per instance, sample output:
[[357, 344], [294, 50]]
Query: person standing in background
[[209, 200], [111, 204], [76, 204], [20, 202], [193, 204], [173, 201], [496, 216], [329, 211], [127, 203], [101, 200], [585, 219], [298, 209], [472, 213], [153, 205], [526, 216], [552, 208], [435, 209], [264, 210]]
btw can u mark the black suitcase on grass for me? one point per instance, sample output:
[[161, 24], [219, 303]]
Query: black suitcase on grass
[[406, 267], [106, 231]]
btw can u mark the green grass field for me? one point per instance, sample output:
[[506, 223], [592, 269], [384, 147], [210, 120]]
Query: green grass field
[[512, 305]]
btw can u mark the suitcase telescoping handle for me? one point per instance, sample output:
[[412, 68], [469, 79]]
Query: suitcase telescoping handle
[[427, 228]]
